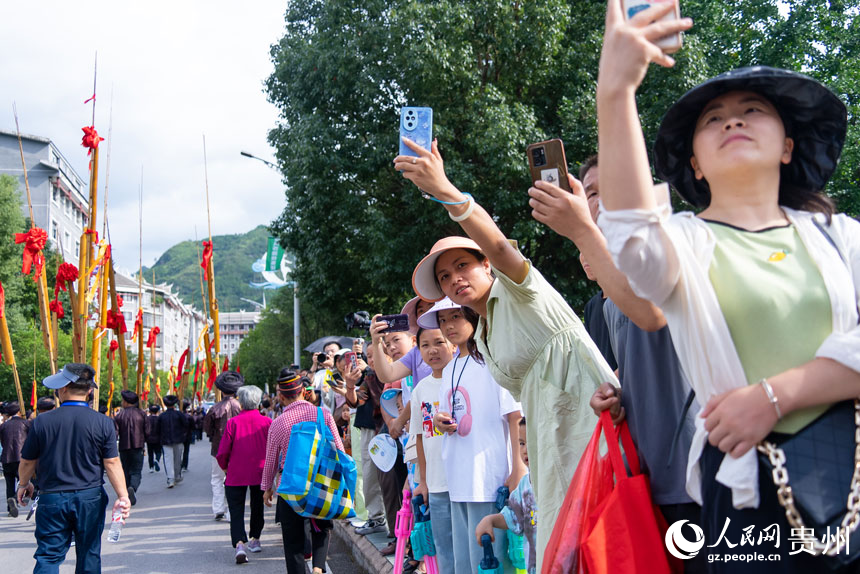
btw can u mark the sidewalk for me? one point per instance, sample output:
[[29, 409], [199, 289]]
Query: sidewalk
[[366, 550]]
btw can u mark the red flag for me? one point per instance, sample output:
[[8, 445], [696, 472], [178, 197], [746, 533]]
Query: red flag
[[196, 371], [34, 241], [238, 368], [226, 366], [212, 374], [180, 369], [151, 340], [207, 259]]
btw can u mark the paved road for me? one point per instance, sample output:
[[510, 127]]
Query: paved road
[[169, 532]]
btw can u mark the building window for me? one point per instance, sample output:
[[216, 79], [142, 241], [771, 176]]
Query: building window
[[55, 196], [67, 240], [77, 248], [55, 232], [67, 206]]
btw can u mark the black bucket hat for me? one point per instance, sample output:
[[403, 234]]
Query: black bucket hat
[[813, 116]]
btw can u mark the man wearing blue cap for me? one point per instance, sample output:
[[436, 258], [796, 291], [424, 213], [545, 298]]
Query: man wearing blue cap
[[73, 446]]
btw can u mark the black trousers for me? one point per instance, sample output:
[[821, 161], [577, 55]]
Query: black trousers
[[186, 447], [293, 533], [132, 465], [154, 453], [10, 472], [235, 496]]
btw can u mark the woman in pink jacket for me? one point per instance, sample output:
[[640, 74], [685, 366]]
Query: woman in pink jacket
[[241, 454]]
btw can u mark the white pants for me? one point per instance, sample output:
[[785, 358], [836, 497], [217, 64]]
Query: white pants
[[219, 502], [173, 460]]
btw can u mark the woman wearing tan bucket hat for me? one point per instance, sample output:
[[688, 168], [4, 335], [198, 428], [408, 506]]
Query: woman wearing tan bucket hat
[[532, 341]]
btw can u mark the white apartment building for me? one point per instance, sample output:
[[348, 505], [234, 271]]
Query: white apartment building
[[233, 328], [60, 196], [180, 325]]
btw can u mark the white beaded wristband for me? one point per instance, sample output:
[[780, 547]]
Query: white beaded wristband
[[466, 214]]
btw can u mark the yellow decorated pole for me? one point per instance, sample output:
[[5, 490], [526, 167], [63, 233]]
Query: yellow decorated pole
[[8, 353]]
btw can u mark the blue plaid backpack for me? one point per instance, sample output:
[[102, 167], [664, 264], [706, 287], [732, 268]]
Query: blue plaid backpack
[[318, 480]]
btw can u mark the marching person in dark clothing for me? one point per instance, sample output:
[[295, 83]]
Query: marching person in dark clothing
[[12, 435], [172, 425], [73, 447], [189, 433], [153, 439], [131, 430]]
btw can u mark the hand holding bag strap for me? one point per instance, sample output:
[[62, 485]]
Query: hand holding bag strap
[[612, 436]]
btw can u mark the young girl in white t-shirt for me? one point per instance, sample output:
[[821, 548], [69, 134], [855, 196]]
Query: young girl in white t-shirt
[[479, 421], [437, 352]]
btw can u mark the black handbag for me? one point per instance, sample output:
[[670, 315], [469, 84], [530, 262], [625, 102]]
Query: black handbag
[[817, 475]]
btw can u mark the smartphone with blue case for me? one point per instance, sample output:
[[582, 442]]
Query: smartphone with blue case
[[416, 124]]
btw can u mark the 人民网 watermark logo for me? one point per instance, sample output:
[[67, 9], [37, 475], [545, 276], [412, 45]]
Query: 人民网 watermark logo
[[678, 545]]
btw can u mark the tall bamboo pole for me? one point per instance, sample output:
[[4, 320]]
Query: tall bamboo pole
[[41, 282], [9, 357], [140, 284], [101, 328], [213, 301], [123, 353]]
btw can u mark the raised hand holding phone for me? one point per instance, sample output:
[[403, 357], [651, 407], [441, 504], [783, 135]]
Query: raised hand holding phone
[[566, 213], [630, 45]]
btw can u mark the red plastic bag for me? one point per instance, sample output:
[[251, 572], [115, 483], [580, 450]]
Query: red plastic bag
[[604, 526]]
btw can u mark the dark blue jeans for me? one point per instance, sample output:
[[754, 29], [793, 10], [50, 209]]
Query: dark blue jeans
[[59, 515]]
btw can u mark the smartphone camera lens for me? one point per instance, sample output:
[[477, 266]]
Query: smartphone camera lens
[[539, 156]]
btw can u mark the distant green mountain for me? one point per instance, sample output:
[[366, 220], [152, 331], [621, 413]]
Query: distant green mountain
[[234, 255]]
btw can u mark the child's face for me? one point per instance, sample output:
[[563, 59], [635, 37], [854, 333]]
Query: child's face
[[524, 447], [435, 349]]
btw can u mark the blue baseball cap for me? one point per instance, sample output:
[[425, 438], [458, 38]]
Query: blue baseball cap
[[66, 376]]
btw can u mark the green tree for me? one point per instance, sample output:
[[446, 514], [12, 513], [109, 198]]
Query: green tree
[[498, 75]]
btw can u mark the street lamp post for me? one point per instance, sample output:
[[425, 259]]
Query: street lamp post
[[297, 348]]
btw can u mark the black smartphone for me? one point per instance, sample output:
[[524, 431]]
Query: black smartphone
[[396, 323]]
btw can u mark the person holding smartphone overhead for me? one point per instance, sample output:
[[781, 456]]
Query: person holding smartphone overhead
[[759, 288], [533, 343]]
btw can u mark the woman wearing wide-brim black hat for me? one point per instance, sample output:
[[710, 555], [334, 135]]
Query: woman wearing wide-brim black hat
[[758, 288]]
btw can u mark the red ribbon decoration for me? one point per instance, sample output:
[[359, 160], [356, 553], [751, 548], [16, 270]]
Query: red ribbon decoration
[[138, 322], [65, 272], [34, 240], [91, 138], [90, 99], [226, 366], [56, 306], [33, 397], [196, 372], [96, 233], [114, 345], [119, 301], [153, 333], [115, 321], [2, 301], [207, 259]]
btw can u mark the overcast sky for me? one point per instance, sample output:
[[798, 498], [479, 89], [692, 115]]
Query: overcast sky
[[177, 70]]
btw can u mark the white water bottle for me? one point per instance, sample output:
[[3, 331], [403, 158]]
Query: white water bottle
[[115, 526]]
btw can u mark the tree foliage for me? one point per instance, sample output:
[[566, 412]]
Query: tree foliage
[[498, 75]]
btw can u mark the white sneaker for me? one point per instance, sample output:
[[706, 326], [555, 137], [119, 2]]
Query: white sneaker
[[241, 556], [170, 483]]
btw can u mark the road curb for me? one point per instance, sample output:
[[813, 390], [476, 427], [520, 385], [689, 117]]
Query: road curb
[[365, 553]]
